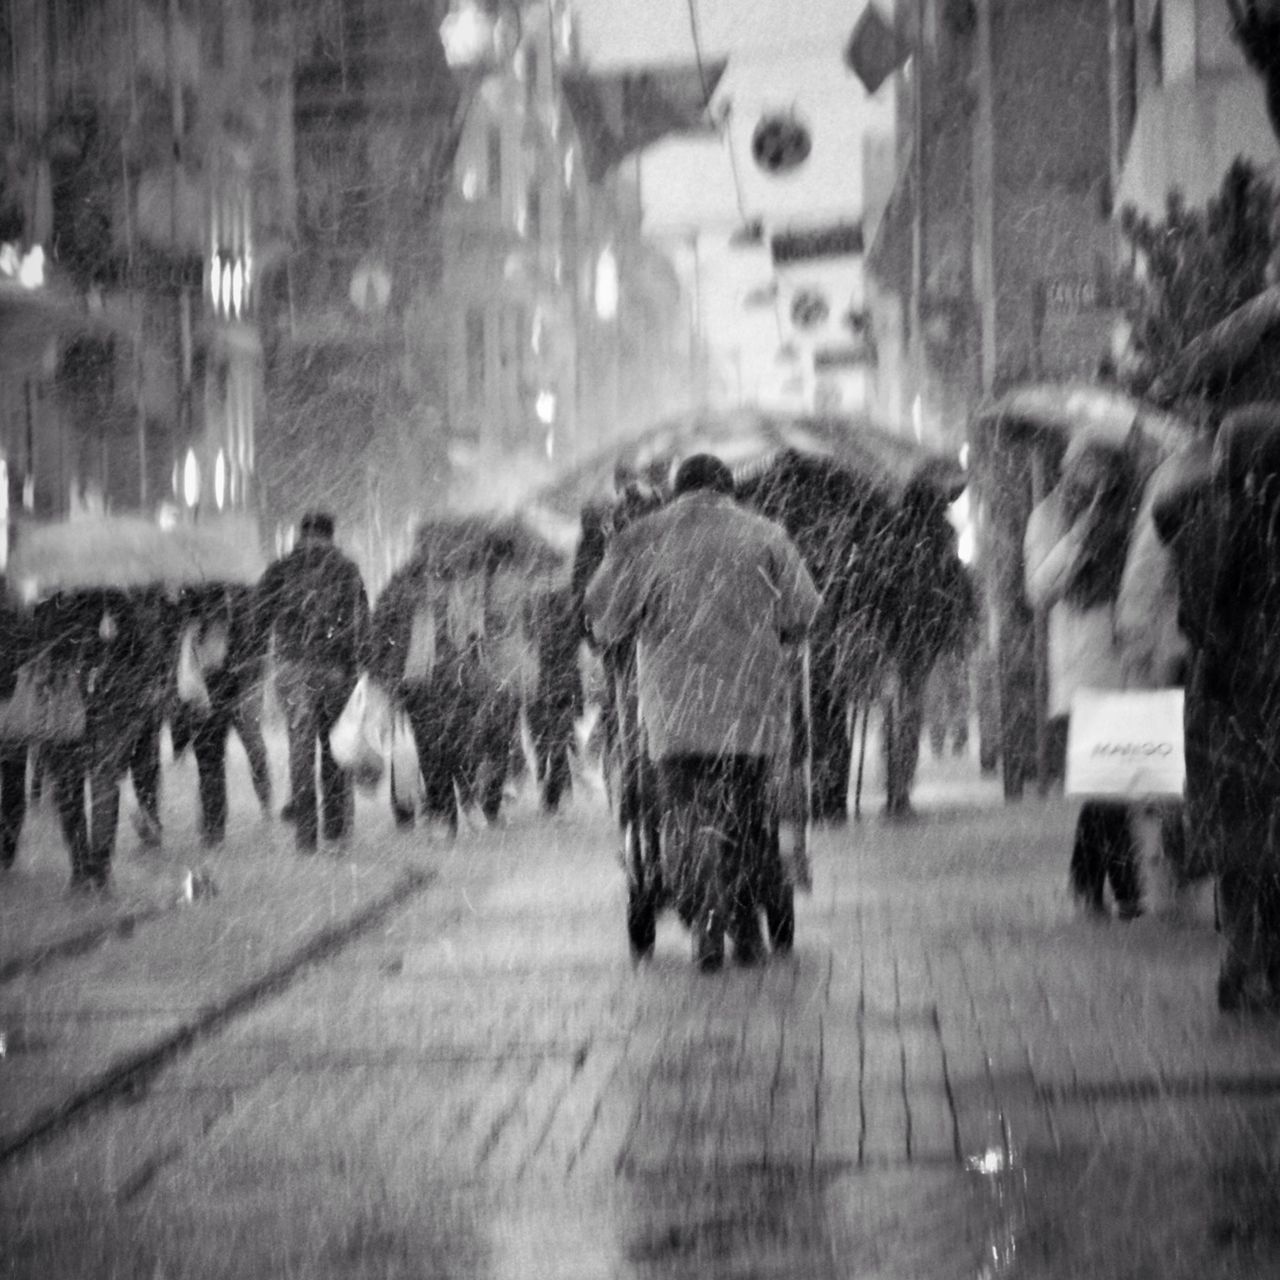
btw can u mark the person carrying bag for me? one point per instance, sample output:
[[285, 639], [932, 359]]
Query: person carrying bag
[[1074, 553]]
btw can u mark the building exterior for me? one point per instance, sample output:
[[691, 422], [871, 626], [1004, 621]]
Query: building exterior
[[562, 325], [992, 262], [353, 373], [141, 131], [1186, 103]]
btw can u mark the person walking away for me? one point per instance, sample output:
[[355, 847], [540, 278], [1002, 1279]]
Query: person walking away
[[157, 619], [1226, 541], [929, 614], [713, 595], [312, 605], [228, 648], [1074, 552], [99, 640], [427, 652], [17, 635], [557, 699]]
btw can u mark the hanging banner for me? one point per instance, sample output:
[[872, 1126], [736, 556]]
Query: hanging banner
[[874, 51], [620, 113]]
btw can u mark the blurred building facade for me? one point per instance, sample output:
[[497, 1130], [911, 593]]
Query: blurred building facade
[[141, 142], [353, 369], [1039, 122], [1186, 103], [296, 258], [992, 261], [563, 326]]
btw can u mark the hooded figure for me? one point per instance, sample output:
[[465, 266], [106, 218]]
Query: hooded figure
[[1074, 554], [712, 594]]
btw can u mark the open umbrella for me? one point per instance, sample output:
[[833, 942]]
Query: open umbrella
[[132, 551], [747, 439], [1064, 410]]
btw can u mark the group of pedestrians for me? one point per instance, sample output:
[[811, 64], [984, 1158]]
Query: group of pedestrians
[[108, 667], [1172, 579], [124, 662]]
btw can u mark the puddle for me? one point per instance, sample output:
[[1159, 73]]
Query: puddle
[[1136, 1212]]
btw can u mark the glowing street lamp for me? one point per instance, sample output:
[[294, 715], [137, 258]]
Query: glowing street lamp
[[607, 285], [477, 38], [191, 479]]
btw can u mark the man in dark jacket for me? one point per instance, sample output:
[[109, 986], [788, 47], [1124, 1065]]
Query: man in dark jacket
[[312, 603]]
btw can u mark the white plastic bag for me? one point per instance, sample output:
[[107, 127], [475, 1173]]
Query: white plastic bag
[[420, 660], [191, 685], [359, 739], [1126, 743], [406, 771]]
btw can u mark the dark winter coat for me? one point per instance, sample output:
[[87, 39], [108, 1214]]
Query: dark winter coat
[[556, 624], [17, 641], [312, 602], [927, 604], [711, 592], [1225, 537], [120, 646]]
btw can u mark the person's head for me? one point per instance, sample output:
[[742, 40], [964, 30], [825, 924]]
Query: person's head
[[703, 471], [316, 526], [1090, 467]]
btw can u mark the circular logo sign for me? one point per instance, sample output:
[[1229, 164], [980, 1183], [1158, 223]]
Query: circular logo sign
[[781, 143], [809, 309]]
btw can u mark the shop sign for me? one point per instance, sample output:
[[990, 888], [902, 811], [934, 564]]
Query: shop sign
[[781, 144]]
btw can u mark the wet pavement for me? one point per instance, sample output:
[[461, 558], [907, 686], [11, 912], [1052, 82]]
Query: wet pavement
[[424, 1058]]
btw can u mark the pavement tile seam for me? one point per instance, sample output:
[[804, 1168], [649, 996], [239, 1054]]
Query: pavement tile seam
[[144, 1060]]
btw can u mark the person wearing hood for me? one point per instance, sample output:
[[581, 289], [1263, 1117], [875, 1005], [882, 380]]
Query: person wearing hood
[[1074, 554], [713, 595], [312, 605]]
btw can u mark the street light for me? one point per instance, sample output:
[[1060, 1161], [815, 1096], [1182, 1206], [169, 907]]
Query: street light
[[481, 36]]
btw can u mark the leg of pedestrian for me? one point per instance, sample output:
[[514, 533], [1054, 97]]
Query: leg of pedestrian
[[13, 799], [247, 721], [300, 718], [210, 747]]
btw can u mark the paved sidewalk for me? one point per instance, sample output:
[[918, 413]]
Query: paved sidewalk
[[90, 985], [953, 1075]]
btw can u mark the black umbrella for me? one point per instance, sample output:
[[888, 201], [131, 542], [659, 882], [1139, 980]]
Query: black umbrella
[[748, 439]]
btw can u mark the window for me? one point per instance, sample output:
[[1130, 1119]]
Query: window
[[495, 161], [533, 211], [475, 328]]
